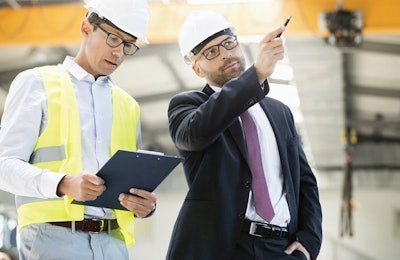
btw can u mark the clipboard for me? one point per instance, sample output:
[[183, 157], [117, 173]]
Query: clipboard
[[125, 169]]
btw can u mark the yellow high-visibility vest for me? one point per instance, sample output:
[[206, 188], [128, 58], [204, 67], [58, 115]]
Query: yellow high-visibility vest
[[58, 148]]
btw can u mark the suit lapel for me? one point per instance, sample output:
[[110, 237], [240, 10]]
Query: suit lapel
[[235, 128], [277, 122]]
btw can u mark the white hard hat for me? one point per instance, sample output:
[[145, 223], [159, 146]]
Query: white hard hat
[[198, 27], [131, 16]]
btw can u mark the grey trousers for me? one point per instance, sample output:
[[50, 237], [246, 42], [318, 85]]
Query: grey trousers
[[46, 241]]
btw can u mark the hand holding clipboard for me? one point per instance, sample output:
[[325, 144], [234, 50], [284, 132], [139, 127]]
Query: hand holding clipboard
[[126, 170]]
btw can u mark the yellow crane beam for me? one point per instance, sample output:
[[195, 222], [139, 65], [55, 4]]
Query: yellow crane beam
[[59, 24]]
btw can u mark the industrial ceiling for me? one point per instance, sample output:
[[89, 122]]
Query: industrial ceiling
[[351, 92]]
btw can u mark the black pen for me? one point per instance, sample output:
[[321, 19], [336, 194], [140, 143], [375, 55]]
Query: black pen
[[285, 24]]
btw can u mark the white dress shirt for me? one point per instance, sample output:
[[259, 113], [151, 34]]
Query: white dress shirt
[[25, 117], [272, 169]]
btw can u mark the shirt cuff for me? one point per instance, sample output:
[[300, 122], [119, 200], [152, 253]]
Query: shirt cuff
[[265, 87], [49, 184]]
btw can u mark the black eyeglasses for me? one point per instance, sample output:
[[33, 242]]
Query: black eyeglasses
[[213, 51], [114, 41]]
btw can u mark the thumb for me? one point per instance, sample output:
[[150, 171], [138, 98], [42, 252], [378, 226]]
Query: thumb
[[290, 249]]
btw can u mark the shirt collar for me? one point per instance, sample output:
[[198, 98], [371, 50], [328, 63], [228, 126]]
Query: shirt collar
[[216, 89], [78, 72]]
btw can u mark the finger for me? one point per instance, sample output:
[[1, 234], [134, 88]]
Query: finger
[[140, 210], [95, 179], [96, 191], [137, 192], [274, 34], [134, 199], [93, 188], [272, 51], [85, 195], [293, 246], [143, 194], [89, 197], [132, 203], [98, 188], [131, 200], [135, 203]]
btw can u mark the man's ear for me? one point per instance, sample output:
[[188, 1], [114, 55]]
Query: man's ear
[[86, 28], [199, 72]]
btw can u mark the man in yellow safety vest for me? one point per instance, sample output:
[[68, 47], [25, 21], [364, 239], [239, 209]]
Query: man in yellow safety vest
[[60, 126]]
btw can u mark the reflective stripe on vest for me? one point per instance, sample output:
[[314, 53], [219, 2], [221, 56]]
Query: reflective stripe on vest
[[58, 148], [52, 153]]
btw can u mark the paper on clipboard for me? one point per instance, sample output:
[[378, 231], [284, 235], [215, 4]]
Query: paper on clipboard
[[124, 170]]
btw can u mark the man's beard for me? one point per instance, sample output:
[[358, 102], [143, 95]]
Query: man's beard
[[220, 77]]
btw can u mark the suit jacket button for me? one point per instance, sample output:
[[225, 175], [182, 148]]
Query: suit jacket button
[[241, 215], [247, 184]]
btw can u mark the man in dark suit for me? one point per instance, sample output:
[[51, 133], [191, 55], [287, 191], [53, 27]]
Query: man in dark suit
[[218, 219]]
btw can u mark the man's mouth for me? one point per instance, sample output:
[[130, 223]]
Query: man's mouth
[[112, 63], [230, 65]]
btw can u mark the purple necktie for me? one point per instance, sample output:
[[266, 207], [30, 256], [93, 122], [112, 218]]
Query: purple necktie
[[261, 197]]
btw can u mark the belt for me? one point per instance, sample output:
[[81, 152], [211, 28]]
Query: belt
[[264, 230], [89, 225]]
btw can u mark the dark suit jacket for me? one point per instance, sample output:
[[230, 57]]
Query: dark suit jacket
[[207, 133]]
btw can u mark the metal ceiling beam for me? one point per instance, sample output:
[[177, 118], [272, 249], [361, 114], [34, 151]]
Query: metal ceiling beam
[[361, 123], [380, 47], [373, 91], [362, 138], [13, 3]]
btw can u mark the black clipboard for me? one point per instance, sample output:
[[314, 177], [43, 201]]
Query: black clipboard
[[126, 169]]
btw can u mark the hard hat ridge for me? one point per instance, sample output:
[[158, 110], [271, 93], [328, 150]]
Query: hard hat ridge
[[130, 16]]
